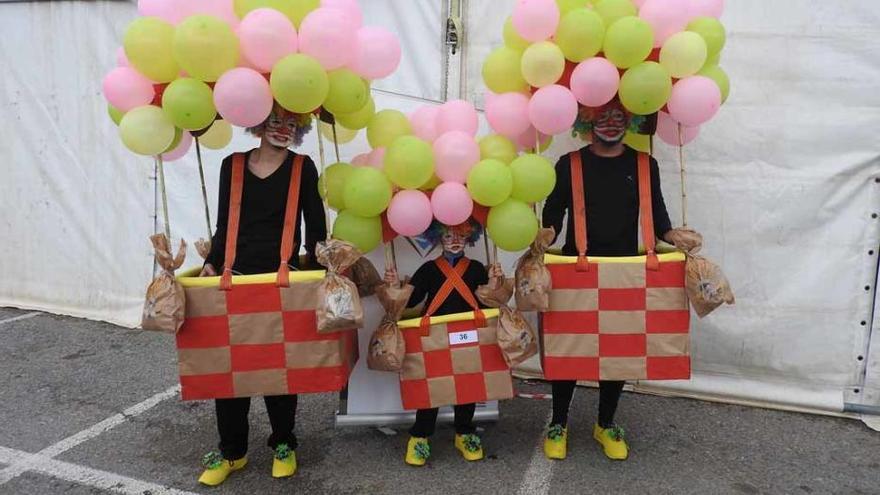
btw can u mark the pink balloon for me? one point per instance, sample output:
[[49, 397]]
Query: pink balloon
[[705, 8], [122, 58], [455, 154], [508, 114], [553, 109], [410, 213], [457, 115], [328, 37], [668, 132], [349, 8], [694, 100], [451, 203], [125, 88], [165, 9], [536, 20], [243, 97], [424, 122], [377, 158], [376, 53], [222, 9], [266, 36], [529, 138], [595, 81], [361, 160], [639, 3], [666, 17], [181, 149]]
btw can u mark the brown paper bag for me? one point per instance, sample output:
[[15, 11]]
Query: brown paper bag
[[203, 247], [706, 285], [533, 282], [387, 348], [365, 277], [165, 303], [516, 337], [339, 306]]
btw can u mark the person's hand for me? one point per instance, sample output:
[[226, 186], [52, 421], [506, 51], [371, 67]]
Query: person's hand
[[208, 271], [495, 271], [391, 276], [685, 239]]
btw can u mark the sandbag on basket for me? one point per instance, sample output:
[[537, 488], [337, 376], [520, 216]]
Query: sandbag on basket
[[203, 247], [706, 285], [533, 281], [516, 337], [339, 306], [365, 277], [387, 347], [165, 303]]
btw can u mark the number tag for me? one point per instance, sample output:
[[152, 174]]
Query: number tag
[[461, 338]]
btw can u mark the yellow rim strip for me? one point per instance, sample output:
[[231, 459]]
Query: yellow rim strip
[[555, 259], [190, 278], [437, 320]]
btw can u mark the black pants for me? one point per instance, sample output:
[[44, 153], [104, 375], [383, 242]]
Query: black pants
[[232, 423], [426, 420], [609, 395]]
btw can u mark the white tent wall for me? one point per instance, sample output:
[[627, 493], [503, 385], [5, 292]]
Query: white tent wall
[[781, 183]]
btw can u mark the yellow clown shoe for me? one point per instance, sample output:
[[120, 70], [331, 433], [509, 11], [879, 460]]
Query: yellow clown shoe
[[284, 463], [470, 446], [612, 442], [418, 450], [556, 442], [217, 469]]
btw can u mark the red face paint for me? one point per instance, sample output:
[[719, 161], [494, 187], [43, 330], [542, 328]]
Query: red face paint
[[611, 123]]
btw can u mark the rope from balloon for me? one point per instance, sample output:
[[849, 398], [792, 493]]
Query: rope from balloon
[[161, 168], [321, 158], [684, 220], [335, 140], [204, 189]]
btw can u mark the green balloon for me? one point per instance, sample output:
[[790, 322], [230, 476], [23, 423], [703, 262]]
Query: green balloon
[[512, 39], [512, 225], [533, 178], [115, 114], [367, 192], [683, 54], [628, 42], [331, 184], [613, 10], [386, 126], [580, 34], [295, 10], [712, 31], [178, 135], [409, 162], [348, 92], [645, 88], [718, 75], [542, 64], [490, 182], [299, 83], [566, 6], [189, 104], [359, 119], [146, 130], [205, 47], [501, 71], [364, 233], [498, 147], [148, 43]]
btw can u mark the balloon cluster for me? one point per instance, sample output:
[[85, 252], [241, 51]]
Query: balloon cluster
[[655, 55], [431, 166], [185, 65]]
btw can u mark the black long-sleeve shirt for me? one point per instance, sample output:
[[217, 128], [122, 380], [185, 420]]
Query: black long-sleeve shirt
[[611, 188], [263, 204], [428, 279]]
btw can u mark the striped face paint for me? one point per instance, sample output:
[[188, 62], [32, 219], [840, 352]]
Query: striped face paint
[[281, 128], [611, 124]]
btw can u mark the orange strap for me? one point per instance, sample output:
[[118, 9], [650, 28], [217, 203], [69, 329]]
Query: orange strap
[[232, 226], [454, 281], [645, 207]]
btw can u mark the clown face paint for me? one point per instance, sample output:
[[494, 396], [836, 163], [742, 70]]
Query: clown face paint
[[280, 129], [610, 126], [454, 240]]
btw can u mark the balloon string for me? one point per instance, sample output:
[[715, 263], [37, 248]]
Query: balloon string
[[204, 189], [486, 244], [161, 167], [335, 141], [684, 220], [321, 158]]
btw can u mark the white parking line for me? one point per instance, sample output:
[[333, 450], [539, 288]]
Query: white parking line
[[87, 476], [539, 474], [20, 317], [29, 462]]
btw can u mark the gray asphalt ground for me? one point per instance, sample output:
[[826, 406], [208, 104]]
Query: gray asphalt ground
[[62, 376]]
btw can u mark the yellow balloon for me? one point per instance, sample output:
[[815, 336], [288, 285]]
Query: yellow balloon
[[205, 47], [218, 136], [148, 45], [512, 39], [542, 64], [146, 130], [566, 6], [299, 83], [502, 71], [358, 120], [640, 142], [580, 34], [612, 10], [497, 147], [386, 126], [683, 54], [343, 135]]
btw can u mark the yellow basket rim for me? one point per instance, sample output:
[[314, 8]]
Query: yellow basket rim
[[450, 318], [190, 278]]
